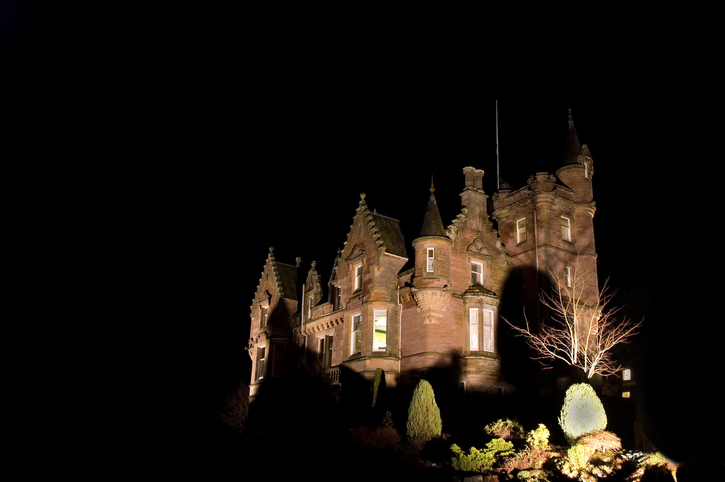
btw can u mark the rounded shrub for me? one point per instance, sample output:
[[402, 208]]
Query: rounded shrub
[[582, 412], [424, 416]]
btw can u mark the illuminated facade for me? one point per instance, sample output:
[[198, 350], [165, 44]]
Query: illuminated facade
[[405, 312]]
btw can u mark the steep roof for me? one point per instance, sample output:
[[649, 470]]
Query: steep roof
[[390, 235], [572, 147], [432, 223], [287, 279]]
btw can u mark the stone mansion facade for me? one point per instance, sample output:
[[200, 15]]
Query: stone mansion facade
[[406, 311]]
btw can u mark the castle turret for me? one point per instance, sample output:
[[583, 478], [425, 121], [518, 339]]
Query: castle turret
[[432, 278], [577, 167]]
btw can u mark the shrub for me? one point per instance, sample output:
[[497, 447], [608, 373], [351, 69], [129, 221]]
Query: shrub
[[538, 439], [424, 417], [582, 412], [480, 460], [657, 463], [601, 441], [505, 429]]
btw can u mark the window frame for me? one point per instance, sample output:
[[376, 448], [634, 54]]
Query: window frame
[[357, 278], [565, 228], [261, 364], [430, 260], [375, 321], [473, 333], [521, 230], [356, 334], [479, 273]]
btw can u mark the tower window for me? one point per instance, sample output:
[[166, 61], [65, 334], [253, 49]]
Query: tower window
[[430, 259], [476, 273], [626, 374], [565, 228], [520, 230]]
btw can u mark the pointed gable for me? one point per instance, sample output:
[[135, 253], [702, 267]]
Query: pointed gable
[[280, 275]]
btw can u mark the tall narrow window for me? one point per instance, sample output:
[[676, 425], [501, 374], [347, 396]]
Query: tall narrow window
[[476, 273], [328, 351], [310, 303], [261, 362], [565, 228], [473, 336], [321, 350], [356, 338], [488, 330], [358, 277], [567, 276], [430, 258], [520, 230], [336, 297], [626, 374], [380, 323]]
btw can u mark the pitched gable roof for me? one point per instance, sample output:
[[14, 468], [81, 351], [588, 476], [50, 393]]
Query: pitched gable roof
[[389, 234]]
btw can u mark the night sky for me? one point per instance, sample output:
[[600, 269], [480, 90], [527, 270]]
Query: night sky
[[152, 151]]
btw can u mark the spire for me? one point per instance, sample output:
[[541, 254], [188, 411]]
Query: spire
[[572, 146], [432, 223]]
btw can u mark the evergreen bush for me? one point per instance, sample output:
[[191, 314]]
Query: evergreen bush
[[538, 439], [582, 412], [424, 417], [479, 460], [506, 429]]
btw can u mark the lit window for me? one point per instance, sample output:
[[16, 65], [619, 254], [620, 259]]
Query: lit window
[[473, 315], [626, 394], [488, 330], [358, 277], [476, 273], [520, 230], [261, 362], [356, 339], [431, 257], [380, 322], [627, 374], [565, 228]]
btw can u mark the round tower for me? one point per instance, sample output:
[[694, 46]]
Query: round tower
[[577, 167], [432, 275]]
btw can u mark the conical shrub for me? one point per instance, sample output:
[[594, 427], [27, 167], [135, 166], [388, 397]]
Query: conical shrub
[[582, 412], [424, 417]]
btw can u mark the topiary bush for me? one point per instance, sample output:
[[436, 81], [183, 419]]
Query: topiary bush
[[582, 412], [424, 416]]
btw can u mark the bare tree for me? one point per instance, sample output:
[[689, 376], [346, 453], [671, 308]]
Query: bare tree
[[584, 327]]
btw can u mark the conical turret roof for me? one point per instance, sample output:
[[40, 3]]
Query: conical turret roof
[[432, 223], [572, 148]]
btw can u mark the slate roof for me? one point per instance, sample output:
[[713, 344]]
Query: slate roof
[[287, 278], [432, 223], [390, 235], [572, 147]]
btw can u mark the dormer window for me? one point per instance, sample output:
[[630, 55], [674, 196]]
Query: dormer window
[[430, 260]]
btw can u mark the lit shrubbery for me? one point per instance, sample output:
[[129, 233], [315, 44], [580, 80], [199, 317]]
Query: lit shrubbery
[[538, 439], [505, 429], [582, 412], [479, 460]]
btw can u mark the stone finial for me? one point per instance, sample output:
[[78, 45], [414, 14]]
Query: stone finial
[[362, 196]]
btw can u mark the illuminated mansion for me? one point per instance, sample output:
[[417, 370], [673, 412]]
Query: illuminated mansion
[[407, 311]]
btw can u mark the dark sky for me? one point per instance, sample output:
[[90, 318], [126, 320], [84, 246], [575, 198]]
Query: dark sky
[[153, 151]]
